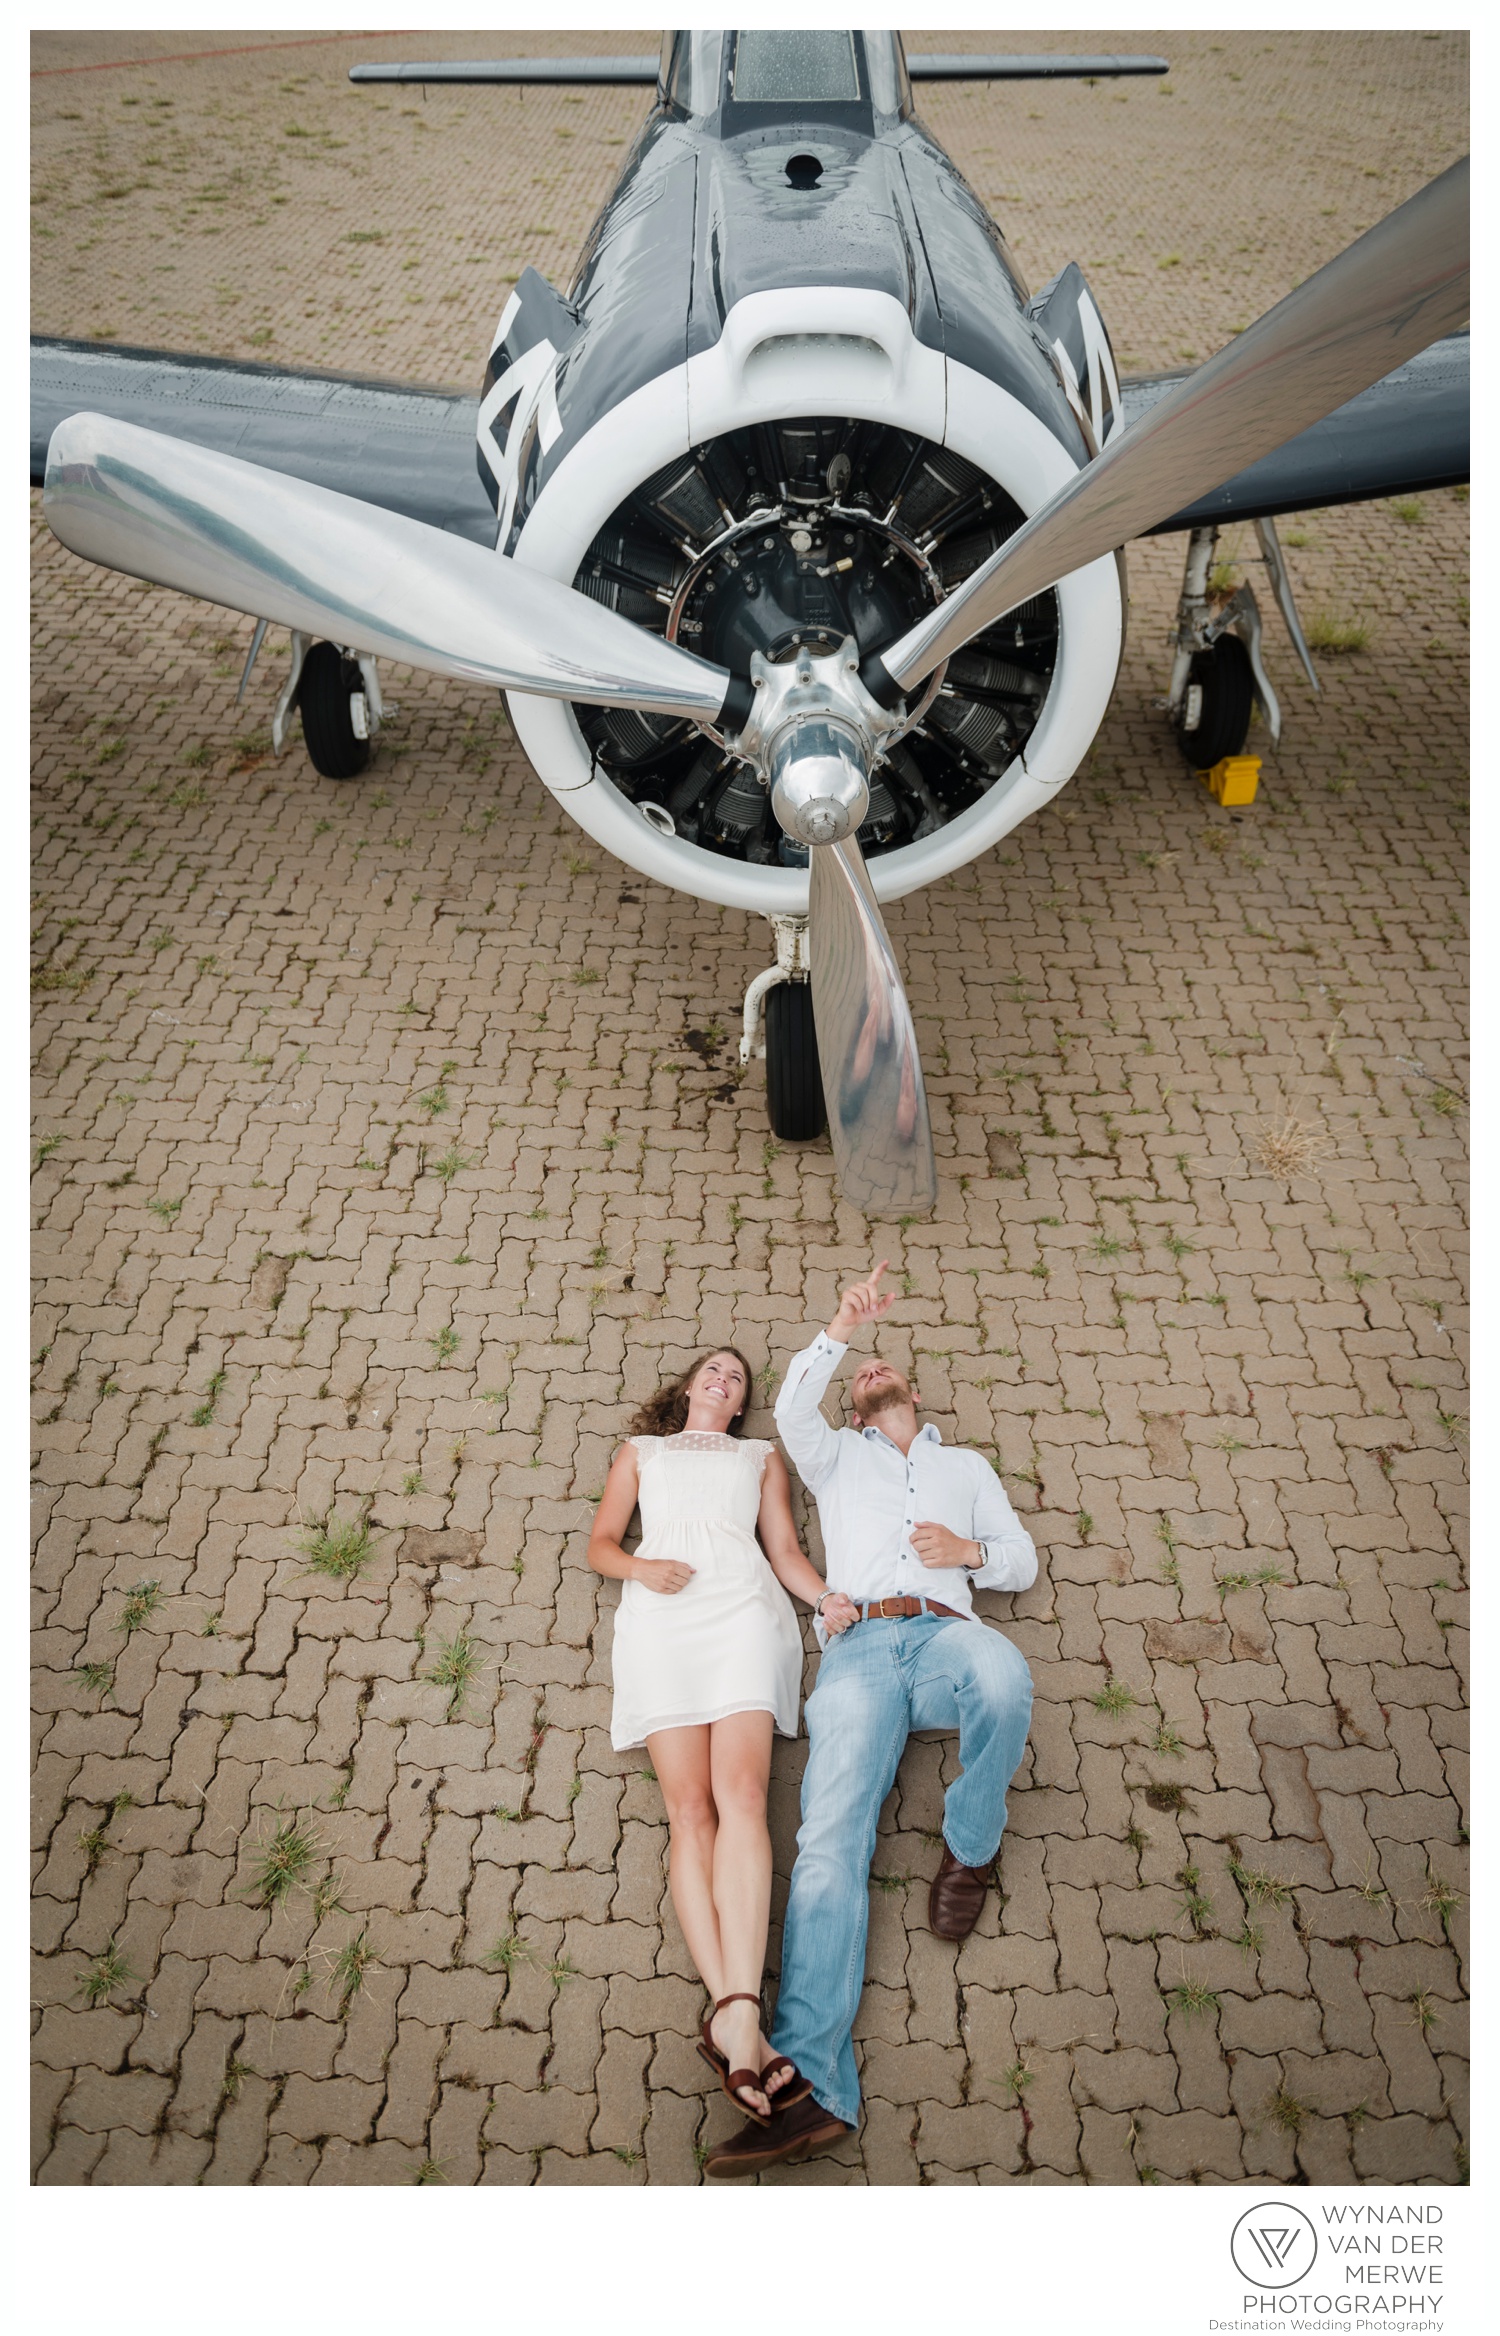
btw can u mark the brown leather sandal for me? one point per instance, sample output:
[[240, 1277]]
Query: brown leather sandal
[[796, 2088], [729, 2077]]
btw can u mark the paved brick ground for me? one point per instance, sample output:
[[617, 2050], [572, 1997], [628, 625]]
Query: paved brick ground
[[388, 1142]]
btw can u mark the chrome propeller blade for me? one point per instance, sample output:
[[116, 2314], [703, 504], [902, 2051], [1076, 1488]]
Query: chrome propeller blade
[[1400, 287], [867, 1048], [274, 547]]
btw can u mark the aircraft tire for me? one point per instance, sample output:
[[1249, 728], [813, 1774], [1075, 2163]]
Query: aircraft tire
[[328, 682], [794, 1084], [1224, 676]]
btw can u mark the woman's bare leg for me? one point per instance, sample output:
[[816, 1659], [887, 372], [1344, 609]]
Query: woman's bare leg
[[680, 1757], [739, 1769]]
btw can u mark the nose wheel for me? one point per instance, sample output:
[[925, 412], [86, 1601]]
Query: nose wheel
[[794, 1082], [787, 1037]]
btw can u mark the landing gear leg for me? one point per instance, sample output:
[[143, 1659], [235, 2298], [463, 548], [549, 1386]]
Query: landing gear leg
[[1217, 669], [783, 993]]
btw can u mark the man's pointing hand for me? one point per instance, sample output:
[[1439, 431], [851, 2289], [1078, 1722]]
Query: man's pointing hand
[[861, 1305]]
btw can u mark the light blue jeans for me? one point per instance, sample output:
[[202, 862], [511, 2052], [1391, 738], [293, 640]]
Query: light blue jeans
[[877, 1683]]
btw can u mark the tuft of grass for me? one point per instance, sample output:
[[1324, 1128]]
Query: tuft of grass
[[98, 1677], [106, 1972], [168, 1210], [1226, 1584], [349, 1967], [326, 1898], [93, 1843], [338, 1546], [430, 2170], [1424, 2011], [435, 1101], [235, 2074], [1168, 1798], [139, 1602], [1441, 1899], [1113, 1698], [446, 1343], [282, 1862], [1192, 1999], [1286, 2111], [1290, 1147], [1167, 1741], [1015, 2079], [451, 1164], [1260, 1888], [457, 1665], [1410, 511], [203, 1416], [1250, 1941], [1337, 636], [506, 1953], [1197, 1907]]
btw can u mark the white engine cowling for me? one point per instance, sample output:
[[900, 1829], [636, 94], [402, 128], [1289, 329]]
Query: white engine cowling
[[819, 351]]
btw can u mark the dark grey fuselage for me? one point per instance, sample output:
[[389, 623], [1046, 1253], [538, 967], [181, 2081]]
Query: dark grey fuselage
[[704, 214]]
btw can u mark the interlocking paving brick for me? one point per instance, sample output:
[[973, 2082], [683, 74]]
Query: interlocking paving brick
[[1229, 1404]]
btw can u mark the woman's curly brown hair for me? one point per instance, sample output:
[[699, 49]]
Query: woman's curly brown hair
[[665, 1413]]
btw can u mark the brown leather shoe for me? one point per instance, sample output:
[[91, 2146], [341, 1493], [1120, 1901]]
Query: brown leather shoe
[[798, 2133], [956, 1898]]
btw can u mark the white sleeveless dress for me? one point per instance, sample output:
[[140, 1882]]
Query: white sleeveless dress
[[730, 1641]]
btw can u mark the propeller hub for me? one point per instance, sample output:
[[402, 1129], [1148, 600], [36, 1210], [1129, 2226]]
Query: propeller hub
[[813, 733], [819, 790]]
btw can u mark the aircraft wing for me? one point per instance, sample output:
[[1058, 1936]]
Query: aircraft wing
[[1408, 434], [407, 449], [410, 448]]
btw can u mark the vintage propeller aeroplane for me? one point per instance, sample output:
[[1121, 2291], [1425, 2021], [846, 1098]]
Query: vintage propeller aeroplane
[[796, 532]]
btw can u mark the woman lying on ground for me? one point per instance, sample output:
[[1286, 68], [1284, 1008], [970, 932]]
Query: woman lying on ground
[[707, 1662]]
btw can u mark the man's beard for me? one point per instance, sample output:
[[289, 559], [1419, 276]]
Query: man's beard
[[888, 1396]]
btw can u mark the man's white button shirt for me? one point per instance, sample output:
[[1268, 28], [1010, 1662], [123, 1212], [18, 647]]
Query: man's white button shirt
[[870, 1494]]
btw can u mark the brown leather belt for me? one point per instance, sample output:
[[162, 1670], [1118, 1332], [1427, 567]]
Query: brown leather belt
[[903, 1609]]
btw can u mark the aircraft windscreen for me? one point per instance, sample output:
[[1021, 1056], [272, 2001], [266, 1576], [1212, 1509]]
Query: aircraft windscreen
[[792, 68]]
